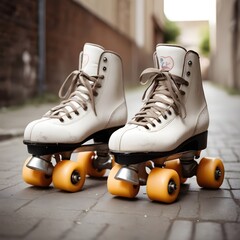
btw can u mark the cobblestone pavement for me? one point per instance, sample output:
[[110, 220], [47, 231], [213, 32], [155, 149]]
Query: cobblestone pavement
[[32, 213]]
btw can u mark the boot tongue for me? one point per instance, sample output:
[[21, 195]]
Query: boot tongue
[[171, 58], [90, 58], [89, 61]]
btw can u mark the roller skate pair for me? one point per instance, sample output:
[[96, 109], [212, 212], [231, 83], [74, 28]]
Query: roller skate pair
[[157, 148]]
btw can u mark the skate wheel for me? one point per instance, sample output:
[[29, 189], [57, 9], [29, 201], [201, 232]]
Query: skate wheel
[[210, 173], [86, 162], [163, 185], [34, 177], [176, 165], [120, 188], [68, 176]]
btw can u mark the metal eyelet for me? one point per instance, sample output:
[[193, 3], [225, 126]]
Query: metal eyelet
[[190, 63], [188, 73], [104, 68], [105, 59]]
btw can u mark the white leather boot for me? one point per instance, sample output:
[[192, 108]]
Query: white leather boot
[[167, 135], [93, 107], [174, 114]]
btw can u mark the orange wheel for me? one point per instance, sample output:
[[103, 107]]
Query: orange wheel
[[176, 165], [120, 188], [34, 177], [68, 176], [163, 185], [86, 162], [210, 173]]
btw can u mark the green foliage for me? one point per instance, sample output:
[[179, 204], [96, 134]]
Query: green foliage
[[204, 45], [171, 32]]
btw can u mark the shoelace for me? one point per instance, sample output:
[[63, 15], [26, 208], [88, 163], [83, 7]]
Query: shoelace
[[163, 92], [81, 89]]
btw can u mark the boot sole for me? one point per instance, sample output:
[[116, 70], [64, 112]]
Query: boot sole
[[196, 143], [100, 139]]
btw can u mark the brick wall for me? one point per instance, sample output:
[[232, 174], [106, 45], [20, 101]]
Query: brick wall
[[68, 27], [18, 50]]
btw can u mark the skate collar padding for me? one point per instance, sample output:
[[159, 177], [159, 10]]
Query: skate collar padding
[[171, 58], [89, 58]]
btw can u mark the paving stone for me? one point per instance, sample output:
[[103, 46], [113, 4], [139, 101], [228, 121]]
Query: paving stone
[[140, 205], [25, 191], [211, 152], [234, 183], [48, 229], [11, 205], [237, 149], [181, 230], [128, 226], [229, 157], [236, 194], [189, 206], [225, 185], [233, 167], [64, 200], [85, 231], [232, 174], [218, 209], [94, 188], [12, 226], [219, 193], [208, 230], [232, 230], [192, 184], [46, 212], [220, 144], [133, 233]]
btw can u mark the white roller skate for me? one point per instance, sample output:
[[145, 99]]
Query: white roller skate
[[93, 108], [172, 125]]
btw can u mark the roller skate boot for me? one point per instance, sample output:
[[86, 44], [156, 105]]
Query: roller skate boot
[[93, 107], [160, 145]]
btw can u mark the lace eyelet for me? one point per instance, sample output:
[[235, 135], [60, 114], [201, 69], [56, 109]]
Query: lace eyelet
[[190, 63], [105, 59], [165, 117], [188, 73], [61, 120], [77, 113], [169, 112], [104, 68]]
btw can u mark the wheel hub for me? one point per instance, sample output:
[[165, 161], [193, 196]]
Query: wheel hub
[[75, 178], [172, 186], [218, 173]]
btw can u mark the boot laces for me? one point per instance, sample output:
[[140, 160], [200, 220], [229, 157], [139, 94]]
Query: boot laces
[[162, 94], [82, 89]]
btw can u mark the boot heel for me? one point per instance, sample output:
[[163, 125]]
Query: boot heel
[[199, 142], [104, 135]]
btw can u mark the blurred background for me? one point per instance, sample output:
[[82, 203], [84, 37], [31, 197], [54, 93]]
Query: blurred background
[[40, 40]]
